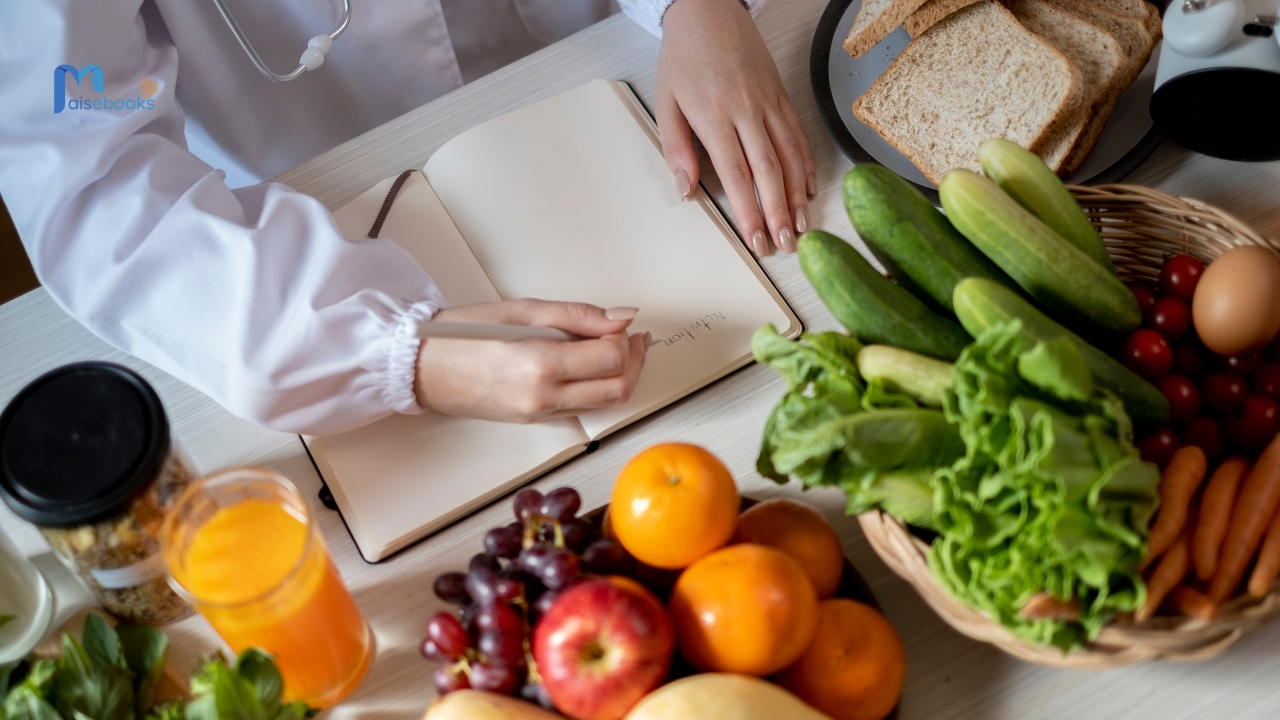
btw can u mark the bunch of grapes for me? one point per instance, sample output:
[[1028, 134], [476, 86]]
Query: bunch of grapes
[[526, 565]]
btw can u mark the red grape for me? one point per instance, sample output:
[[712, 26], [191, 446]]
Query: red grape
[[1148, 354], [504, 542], [561, 504], [500, 618], [480, 583], [1145, 294], [559, 569], [484, 560], [1171, 316], [506, 648], [1180, 275], [1206, 434], [531, 559], [449, 678], [1224, 390], [576, 532], [545, 601], [1253, 423], [468, 618], [1183, 395], [433, 653], [452, 588], [1159, 446], [1190, 359], [447, 633], [1246, 363], [607, 557], [495, 677], [527, 503], [1267, 381], [505, 588]]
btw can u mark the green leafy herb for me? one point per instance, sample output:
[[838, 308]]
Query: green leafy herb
[[249, 690]]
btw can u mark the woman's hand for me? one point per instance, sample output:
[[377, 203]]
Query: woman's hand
[[531, 380], [717, 80]]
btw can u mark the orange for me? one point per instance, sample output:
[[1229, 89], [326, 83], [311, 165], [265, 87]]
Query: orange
[[747, 609], [855, 667], [801, 532], [672, 504]]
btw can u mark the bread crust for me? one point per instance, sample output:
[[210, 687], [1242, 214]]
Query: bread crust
[[860, 41]]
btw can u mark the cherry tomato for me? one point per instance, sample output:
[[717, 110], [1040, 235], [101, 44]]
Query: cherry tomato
[[1267, 381], [1148, 354], [1159, 446], [1206, 434], [1145, 294], [1180, 275], [1245, 363], [1224, 390], [1183, 395], [1254, 422], [1190, 360], [1171, 316]]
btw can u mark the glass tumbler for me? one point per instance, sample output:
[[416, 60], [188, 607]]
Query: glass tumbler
[[25, 602], [243, 547]]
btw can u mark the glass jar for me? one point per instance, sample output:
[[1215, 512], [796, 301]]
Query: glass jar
[[86, 456]]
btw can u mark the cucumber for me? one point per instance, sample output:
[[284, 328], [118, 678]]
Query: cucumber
[[1034, 186], [981, 304], [923, 378], [1052, 270], [869, 305], [907, 234]]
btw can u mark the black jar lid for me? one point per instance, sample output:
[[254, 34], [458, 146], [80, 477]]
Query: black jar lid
[[80, 443]]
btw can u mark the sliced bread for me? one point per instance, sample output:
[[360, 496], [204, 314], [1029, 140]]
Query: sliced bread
[[1098, 56], [874, 21], [930, 13], [1136, 39], [975, 75]]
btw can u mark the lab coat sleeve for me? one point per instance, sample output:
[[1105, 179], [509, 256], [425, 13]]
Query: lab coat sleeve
[[251, 296], [648, 14]]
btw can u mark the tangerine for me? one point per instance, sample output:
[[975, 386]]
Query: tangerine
[[801, 532], [746, 608], [855, 667], [672, 504]]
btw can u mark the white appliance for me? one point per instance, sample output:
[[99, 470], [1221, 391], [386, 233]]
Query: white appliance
[[1218, 82]]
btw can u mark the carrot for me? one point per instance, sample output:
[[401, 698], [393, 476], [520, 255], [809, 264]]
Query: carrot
[[1268, 565], [1215, 512], [1044, 606], [1188, 601], [1177, 486], [1168, 575], [1253, 510]]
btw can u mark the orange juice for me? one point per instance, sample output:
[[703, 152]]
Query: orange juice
[[243, 547]]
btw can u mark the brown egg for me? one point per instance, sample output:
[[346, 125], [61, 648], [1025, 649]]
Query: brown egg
[[1237, 302]]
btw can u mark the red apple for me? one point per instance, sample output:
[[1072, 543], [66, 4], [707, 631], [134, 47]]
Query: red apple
[[603, 645]]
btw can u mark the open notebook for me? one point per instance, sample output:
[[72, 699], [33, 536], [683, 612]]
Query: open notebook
[[566, 199]]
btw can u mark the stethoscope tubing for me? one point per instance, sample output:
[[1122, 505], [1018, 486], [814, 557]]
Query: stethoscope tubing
[[253, 54]]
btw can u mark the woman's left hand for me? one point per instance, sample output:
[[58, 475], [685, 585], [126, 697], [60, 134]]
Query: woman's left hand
[[717, 80]]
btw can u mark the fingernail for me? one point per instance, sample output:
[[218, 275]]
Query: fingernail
[[648, 340], [802, 219], [621, 313], [811, 185], [760, 242], [788, 240], [682, 184]]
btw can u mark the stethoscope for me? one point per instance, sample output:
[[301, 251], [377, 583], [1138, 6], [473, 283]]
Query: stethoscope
[[312, 57]]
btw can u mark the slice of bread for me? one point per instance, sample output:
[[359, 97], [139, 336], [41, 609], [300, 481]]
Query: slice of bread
[[977, 74], [1129, 8], [928, 15], [874, 21], [1137, 40], [1098, 56]]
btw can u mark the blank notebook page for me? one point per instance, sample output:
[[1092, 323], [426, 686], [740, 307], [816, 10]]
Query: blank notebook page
[[570, 199]]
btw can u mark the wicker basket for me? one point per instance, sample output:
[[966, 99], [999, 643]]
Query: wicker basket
[[1141, 227]]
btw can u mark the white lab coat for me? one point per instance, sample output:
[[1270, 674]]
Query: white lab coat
[[249, 295]]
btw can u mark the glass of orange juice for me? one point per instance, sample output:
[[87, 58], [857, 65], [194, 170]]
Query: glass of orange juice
[[243, 547]]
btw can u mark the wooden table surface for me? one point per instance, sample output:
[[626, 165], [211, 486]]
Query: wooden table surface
[[948, 676]]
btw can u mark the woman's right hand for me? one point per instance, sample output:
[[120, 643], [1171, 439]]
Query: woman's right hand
[[531, 380]]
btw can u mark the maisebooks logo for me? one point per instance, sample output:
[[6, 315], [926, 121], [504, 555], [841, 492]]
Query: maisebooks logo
[[93, 73]]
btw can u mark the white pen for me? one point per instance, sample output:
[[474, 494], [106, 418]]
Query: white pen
[[493, 331]]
